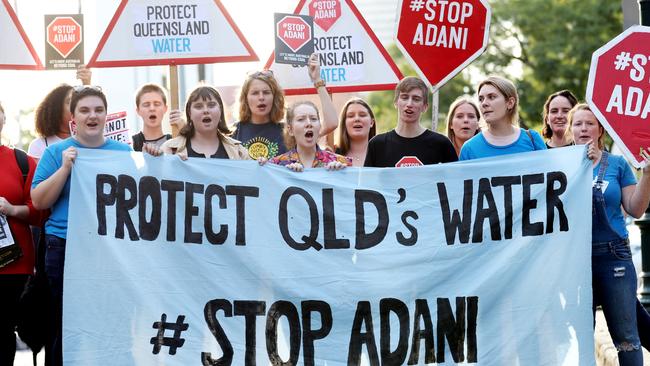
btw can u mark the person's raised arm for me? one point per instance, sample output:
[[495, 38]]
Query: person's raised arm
[[330, 118], [84, 74], [635, 198]]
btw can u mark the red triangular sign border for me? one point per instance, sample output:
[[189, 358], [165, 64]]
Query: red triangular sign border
[[37, 61], [170, 61]]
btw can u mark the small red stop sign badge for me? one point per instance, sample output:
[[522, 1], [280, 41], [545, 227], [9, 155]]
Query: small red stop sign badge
[[618, 90], [64, 35], [408, 161], [294, 32]]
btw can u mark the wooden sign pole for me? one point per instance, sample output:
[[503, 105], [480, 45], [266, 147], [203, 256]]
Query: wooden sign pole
[[173, 93]]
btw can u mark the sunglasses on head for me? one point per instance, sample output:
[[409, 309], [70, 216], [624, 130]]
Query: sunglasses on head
[[265, 73], [80, 88]]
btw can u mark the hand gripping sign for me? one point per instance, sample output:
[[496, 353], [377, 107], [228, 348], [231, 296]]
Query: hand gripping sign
[[440, 38], [64, 41], [351, 57], [294, 38], [618, 90]]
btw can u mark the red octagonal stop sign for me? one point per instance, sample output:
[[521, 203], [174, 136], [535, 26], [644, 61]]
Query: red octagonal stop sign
[[618, 90], [64, 35], [294, 32], [440, 38], [325, 12]]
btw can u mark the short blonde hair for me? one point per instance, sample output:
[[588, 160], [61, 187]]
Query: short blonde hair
[[586, 107], [508, 89]]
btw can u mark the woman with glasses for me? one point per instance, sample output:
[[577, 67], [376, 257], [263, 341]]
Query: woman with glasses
[[206, 133], [301, 136], [261, 108], [51, 190], [52, 117]]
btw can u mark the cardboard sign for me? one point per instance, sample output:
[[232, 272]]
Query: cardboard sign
[[169, 32], [18, 54], [352, 58], [64, 48], [294, 38]]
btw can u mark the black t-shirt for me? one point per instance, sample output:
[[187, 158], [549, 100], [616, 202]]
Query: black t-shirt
[[139, 140], [261, 140], [392, 150], [220, 154]]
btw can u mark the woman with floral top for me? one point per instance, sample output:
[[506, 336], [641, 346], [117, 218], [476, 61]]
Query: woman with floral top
[[301, 135]]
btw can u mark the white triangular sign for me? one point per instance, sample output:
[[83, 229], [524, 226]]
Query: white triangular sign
[[352, 58], [171, 32], [18, 52]]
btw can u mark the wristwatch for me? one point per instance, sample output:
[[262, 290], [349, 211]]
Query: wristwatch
[[319, 83]]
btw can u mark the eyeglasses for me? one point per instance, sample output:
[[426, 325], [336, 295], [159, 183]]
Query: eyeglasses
[[265, 73], [80, 88]]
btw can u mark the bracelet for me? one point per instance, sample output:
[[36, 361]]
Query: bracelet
[[319, 83]]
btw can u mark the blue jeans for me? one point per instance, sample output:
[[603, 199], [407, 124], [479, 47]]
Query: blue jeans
[[614, 286], [54, 261]]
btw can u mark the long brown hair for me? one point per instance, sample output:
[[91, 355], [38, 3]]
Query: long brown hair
[[546, 130], [450, 116], [277, 109], [344, 137], [203, 92]]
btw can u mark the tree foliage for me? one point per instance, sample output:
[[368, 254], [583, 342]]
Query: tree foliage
[[551, 42], [541, 45]]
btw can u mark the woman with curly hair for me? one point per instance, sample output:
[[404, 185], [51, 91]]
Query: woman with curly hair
[[52, 120]]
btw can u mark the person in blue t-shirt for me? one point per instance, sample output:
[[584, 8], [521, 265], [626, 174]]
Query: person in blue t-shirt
[[51, 190], [499, 103], [614, 278]]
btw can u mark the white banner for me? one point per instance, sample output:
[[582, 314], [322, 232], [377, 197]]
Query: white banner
[[212, 262]]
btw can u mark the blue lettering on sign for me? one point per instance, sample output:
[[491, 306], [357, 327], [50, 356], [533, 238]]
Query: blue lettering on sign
[[171, 45], [333, 74]]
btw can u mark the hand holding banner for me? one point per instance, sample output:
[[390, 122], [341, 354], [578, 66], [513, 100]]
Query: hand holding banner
[[475, 262]]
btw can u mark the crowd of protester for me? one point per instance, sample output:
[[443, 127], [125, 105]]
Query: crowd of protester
[[270, 132]]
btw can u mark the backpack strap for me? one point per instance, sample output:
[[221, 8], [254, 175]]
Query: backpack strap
[[532, 141], [138, 141], [23, 164]]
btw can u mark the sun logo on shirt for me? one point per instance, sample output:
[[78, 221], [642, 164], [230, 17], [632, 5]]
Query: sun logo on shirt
[[261, 147]]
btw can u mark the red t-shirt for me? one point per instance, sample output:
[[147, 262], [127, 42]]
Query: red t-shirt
[[16, 192]]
